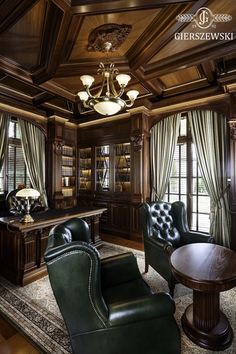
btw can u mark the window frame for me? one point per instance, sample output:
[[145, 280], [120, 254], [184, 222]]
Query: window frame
[[14, 142], [187, 139]]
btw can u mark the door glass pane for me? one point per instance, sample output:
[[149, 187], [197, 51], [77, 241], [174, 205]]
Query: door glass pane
[[102, 173], [204, 222], [174, 185], [173, 198], [183, 186], [183, 127], [85, 165], [204, 204], [183, 198], [194, 221], [122, 167], [201, 186]]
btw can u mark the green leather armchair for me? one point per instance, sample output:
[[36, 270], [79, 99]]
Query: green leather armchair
[[106, 305], [165, 228]]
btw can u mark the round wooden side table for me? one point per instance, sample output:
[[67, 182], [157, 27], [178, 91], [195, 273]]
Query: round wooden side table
[[208, 269]]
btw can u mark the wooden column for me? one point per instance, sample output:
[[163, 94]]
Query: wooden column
[[53, 153]]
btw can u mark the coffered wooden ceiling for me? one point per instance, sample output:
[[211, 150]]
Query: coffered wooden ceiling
[[43, 52]]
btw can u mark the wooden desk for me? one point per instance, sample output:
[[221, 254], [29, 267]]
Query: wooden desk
[[208, 269], [22, 246]]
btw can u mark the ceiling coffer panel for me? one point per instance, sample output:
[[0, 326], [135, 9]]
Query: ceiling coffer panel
[[138, 20], [181, 77], [22, 41]]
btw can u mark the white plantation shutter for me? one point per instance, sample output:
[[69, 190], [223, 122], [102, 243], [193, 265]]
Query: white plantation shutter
[[16, 168]]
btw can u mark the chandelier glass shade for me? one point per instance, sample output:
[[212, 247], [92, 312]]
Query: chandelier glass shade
[[107, 101]]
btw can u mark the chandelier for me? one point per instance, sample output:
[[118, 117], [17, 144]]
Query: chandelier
[[107, 101]]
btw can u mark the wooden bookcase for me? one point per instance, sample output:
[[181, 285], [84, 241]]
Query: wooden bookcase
[[61, 163], [113, 173]]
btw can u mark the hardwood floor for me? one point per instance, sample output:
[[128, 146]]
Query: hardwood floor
[[12, 342], [122, 241]]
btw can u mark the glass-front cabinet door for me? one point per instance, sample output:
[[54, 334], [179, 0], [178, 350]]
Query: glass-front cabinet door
[[68, 171], [85, 163], [122, 167], [102, 168]]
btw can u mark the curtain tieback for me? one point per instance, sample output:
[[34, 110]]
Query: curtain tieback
[[156, 194], [217, 202]]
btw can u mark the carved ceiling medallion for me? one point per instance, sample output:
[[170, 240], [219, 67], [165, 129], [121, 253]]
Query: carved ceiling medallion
[[112, 33]]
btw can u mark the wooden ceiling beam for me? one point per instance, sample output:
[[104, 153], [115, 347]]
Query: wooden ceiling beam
[[12, 10], [42, 97], [191, 57], [55, 31], [209, 71], [154, 86], [11, 68], [160, 33], [11, 93], [187, 96], [55, 89], [89, 66], [71, 38], [94, 7]]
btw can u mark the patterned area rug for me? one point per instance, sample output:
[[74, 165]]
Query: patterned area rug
[[34, 311]]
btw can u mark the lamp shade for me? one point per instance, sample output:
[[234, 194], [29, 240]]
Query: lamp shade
[[107, 108], [87, 80], [123, 79], [28, 193], [83, 95], [132, 94]]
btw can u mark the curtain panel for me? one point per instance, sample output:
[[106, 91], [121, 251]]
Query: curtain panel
[[163, 141], [209, 131], [33, 145], [4, 126]]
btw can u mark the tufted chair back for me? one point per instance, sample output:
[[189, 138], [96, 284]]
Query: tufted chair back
[[161, 222], [165, 228]]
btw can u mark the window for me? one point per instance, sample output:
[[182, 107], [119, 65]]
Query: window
[[186, 183], [14, 170]]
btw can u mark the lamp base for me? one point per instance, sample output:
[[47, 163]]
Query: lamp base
[[27, 218]]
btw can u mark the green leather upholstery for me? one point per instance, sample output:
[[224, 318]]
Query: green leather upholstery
[[165, 228], [106, 305]]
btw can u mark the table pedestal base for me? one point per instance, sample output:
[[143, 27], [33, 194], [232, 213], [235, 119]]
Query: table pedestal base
[[218, 338]]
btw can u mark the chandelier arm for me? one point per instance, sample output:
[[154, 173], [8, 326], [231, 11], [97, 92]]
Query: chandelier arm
[[98, 94], [85, 104], [122, 90], [128, 105], [113, 89], [88, 92]]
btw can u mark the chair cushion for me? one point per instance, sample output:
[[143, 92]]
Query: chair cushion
[[162, 223], [126, 291]]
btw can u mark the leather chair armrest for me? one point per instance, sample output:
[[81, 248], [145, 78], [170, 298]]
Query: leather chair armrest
[[161, 243], [194, 237], [119, 269], [141, 309]]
